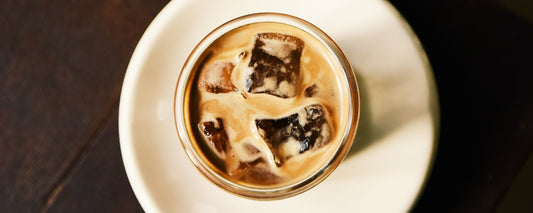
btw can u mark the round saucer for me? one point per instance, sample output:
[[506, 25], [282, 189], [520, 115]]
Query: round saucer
[[394, 147]]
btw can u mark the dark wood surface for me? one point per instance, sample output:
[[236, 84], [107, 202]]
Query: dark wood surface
[[62, 65]]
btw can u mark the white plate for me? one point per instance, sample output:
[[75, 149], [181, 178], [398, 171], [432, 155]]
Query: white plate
[[385, 170]]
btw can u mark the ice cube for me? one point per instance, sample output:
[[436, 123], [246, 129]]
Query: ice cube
[[251, 166], [274, 66], [261, 174], [244, 167], [251, 150], [296, 133], [216, 77], [311, 90], [215, 136]]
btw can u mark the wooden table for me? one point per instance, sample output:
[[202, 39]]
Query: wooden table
[[62, 65]]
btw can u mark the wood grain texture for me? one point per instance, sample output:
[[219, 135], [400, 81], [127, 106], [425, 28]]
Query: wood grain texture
[[62, 66], [98, 183]]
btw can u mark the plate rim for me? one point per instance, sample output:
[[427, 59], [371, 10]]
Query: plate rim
[[139, 57]]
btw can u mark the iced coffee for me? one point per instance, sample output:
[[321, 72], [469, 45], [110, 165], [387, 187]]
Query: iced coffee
[[268, 106]]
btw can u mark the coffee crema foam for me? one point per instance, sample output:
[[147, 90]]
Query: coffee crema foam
[[265, 128]]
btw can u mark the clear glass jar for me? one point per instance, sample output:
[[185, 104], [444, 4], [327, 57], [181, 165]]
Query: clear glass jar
[[344, 110]]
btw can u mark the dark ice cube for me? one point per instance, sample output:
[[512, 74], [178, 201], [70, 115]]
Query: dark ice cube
[[296, 133], [311, 90], [216, 78], [251, 150], [274, 65], [261, 174], [215, 136], [244, 167]]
